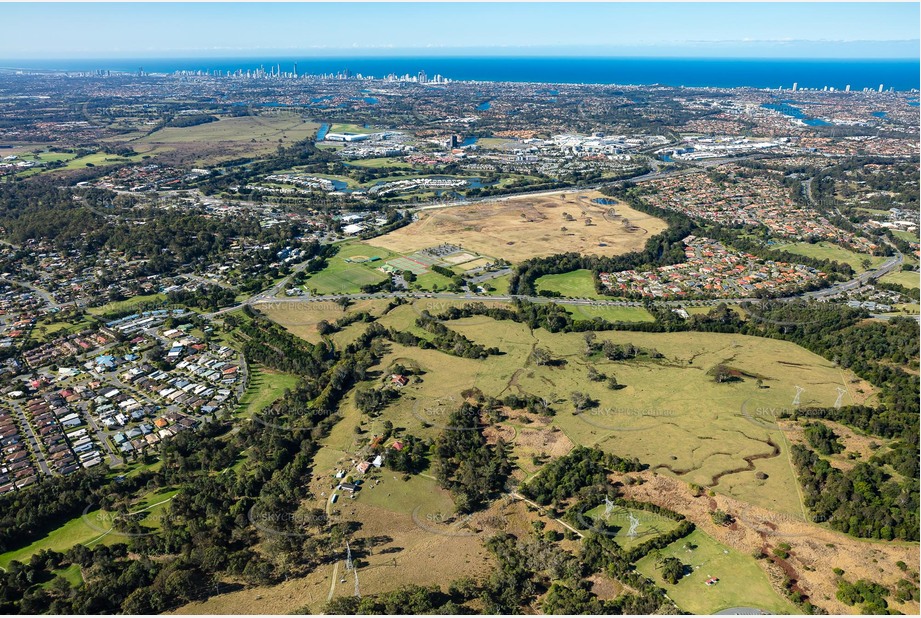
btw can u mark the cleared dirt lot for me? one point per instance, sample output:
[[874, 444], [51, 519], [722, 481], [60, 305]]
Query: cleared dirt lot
[[524, 227]]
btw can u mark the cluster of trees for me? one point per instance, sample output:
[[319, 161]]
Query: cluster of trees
[[822, 438], [211, 527], [600, 552], [408, 600], [372, 400], [531, 403], [582, 468], [267, 343], [325, 327], [869, 595], [472, 470], [205, 297], [863, 501], [452, 342], [412, 458], [192, 120], [29, 515]]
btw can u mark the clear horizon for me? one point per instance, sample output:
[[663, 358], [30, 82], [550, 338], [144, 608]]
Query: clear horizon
[[37, 31]]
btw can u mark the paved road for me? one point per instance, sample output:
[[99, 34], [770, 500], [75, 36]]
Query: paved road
[[45, 294], [33, 439]]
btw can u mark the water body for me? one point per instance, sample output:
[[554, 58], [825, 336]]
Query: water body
[[878, 114], [370, 100], [482, 107], [469, 141], [722, 73], [321, 133], [795, 112], [913, 102]]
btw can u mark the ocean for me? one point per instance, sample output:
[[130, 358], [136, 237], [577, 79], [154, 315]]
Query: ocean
[[902, 75]]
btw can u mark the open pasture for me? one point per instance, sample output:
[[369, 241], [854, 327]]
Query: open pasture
[[518, 228], [228, 138], [671, 413], [301, 318], [741, 582]]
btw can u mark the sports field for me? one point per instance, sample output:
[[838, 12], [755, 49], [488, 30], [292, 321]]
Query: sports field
[[522, 227], [345, 277]]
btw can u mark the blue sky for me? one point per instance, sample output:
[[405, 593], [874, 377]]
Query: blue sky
[[49, 30]]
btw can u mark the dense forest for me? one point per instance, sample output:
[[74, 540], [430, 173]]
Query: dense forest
[[863, 501]]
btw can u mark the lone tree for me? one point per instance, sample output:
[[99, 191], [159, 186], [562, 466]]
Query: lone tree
[[541, 356], [672, 569], [581, 401]]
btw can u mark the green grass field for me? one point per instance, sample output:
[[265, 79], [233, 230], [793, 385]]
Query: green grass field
[[612, 314], [418, 493], [341, 277], [501, 285], [73, 532], [380, 163], [352, 183], [742, 583], [265, 386], [345, 127], [574, 284], [909, 236], [123, 305], [429, 280], [828, 251], [905, 278], [95, 527], [72, 574], [649, 525], [98, 159]]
